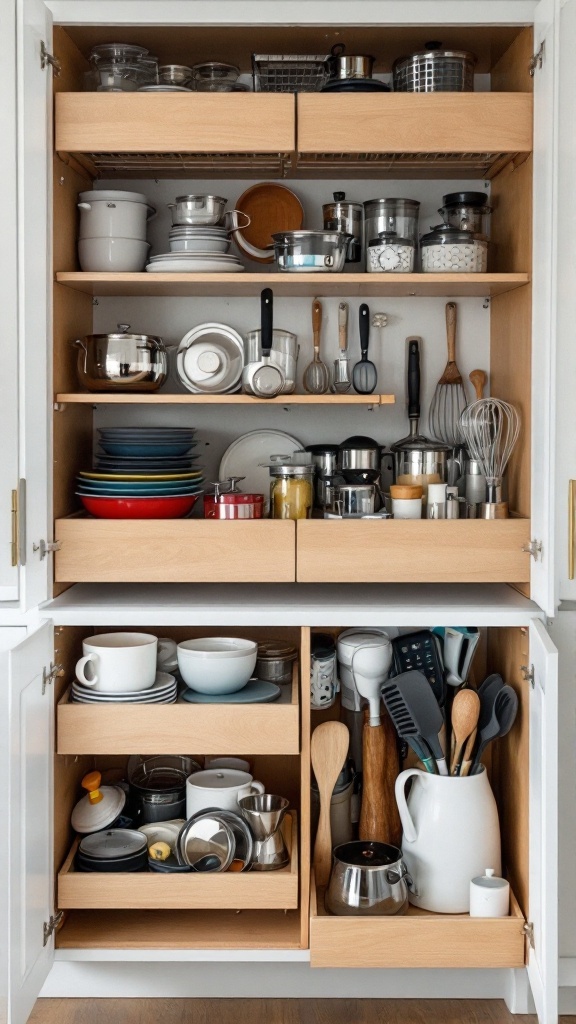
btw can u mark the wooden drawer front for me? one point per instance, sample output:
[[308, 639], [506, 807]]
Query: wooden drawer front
[[174, 551], [170, 123], [418, 939], [413, 122], [129, 728], [412, 551], [150, 890]]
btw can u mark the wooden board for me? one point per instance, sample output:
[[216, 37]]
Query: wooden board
[[305, 781], [418, 939], [91, 122], [308, 285], [149, 890], [412, 551], [415, 123], [101, 398], [237, 729], [174, 551]]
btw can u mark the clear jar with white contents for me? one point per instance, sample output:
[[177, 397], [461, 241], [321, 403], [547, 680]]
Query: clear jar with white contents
[[449, 250], [390, 254]]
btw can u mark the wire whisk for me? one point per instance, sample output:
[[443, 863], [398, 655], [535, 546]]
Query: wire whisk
[[490, 428]]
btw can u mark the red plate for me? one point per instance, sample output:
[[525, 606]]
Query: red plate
[[139, 508]]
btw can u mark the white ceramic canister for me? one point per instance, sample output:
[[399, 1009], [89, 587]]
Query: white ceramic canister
[[449, 250], [118, 662], [489, 895], [451, 830], [114, 214], [219, 787], [406, 501], [436, 502], [389, 254]]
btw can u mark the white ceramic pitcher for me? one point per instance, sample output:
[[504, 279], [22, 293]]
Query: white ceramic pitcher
[[451, 830]]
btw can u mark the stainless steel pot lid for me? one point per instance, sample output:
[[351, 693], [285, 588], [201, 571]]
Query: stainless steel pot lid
[[358, 441], [419, 443], [243, 838], [341, 204], [273, 650], [390, 238], [207, 837], [442, 234], [367, 854], [202, 198], [410, 205], [293, 237], [113, 844]]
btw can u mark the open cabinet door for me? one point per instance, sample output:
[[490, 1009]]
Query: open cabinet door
[[544, 300], [34, 30], [27, 717], [543, 853]]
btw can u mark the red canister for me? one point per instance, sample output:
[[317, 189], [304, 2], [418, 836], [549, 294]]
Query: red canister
[[232, 504]]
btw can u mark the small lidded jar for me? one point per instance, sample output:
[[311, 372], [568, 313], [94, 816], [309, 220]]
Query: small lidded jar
[[390, 254], [406, 501], [291, 491]]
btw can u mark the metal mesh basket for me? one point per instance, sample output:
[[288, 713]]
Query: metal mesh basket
[[435, 72], [289, 72]]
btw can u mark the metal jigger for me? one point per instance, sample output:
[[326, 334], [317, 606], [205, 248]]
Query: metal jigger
[[264, 814]]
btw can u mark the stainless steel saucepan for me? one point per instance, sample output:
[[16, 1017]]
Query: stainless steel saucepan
[[122, 361], [369, 879]]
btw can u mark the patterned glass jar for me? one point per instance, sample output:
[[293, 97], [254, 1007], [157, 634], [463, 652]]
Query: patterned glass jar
[[389, 254], [449, 250]]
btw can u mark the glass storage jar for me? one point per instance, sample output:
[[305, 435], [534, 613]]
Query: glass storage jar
[[399, 215], [390, 254], [449, 250], [291, 491]]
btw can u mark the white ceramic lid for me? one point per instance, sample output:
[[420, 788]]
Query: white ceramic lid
[[91, 817], [219, 778], [106, 195], [359, 638], [113, 844]]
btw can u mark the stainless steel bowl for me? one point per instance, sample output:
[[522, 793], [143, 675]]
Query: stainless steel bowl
[[305, 252], [369, 879], [197, 210], [122, 361]]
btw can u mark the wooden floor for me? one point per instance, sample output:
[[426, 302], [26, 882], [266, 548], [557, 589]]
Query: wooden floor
[[276, 1011]]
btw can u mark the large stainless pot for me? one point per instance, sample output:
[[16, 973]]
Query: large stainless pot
[[306, 252], [122, 361], [368, 879]]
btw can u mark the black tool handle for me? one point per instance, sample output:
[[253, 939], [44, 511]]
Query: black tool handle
[[266, 320], [413, 379], [364, 324]]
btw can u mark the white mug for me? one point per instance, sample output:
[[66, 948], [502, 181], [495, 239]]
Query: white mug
[[118, 662], [167, 657], [219, 787], [489, 895]]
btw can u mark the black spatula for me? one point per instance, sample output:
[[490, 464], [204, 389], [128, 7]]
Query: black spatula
[[364, 374], [415, 713]]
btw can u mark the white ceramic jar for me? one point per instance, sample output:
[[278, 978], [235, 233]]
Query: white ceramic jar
[[114, 214], [489, 895], [389, 254], [221, 787], [406, 501], [436, 501]]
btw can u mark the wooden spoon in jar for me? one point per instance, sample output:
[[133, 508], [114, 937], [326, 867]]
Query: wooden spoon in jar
[[328, 750], [465, 712]]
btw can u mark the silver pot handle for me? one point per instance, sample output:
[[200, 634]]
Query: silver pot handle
[[123, 328], [328, 261]]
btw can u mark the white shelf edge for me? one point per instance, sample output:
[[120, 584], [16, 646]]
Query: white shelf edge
[[185, 955]]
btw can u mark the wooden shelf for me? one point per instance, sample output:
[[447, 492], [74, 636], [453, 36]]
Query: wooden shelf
[[212, 728], [150, 890], [103, 398], [306, 285]]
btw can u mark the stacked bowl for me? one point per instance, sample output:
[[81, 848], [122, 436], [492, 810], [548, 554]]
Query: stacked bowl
[[112, 235], [142, 473]]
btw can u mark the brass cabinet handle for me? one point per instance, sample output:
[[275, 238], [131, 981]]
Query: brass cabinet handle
[[571, 512]]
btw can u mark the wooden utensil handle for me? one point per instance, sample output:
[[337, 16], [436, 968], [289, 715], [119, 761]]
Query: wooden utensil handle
[[323, 847], [379, 817], [451, 330], [467, 756], [478, 380], [316, 321], [343, 326]]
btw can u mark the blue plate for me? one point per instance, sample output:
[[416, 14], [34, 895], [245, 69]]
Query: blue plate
[[256, 691], [149, 490], [147, 450]]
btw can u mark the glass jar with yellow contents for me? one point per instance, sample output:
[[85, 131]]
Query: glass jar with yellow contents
[[291, 491]]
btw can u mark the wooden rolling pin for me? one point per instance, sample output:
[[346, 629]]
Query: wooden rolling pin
[[379, 817]]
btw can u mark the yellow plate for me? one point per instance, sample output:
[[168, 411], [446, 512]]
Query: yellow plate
[[141, 476]]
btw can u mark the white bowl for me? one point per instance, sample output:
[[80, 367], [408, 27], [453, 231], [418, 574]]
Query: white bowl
[[216, 672], [216, 647], [112, 254], [199, 244]]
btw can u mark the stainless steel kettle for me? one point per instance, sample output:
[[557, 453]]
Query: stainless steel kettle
[[369, 879]]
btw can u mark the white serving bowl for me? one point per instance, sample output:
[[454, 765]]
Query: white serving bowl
[[218, 665], [199, 244], [112, 254]]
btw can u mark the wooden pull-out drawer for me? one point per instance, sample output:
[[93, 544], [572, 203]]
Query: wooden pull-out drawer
[[93, 122], [174, 550], [412, 551], [417, 939], [493, 123], [238, 729], [150, 890]]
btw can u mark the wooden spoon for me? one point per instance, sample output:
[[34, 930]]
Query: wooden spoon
[[478, 380], [465, 711], [328, 749]]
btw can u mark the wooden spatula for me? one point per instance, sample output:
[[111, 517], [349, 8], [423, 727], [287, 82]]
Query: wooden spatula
[[328, 749]]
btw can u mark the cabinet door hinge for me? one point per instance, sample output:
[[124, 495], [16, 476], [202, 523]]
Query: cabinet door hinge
[[528, 930], [47, 58], [18, 520], [536, 60], [528, 674], [534, 548], [51, 925], [49, 675], [46, 547]]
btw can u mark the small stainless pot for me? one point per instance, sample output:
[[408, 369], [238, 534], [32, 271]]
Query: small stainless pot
[[368, 879], [342, 215], [353, 66], [122, 362], [197, 209], [324, 458], [358, 454], [311, 251]]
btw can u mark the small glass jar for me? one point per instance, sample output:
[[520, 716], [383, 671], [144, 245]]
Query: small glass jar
[[390, 254], [406, 501], [291, 492]]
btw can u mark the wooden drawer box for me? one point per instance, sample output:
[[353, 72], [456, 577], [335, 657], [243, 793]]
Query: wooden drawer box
[[412, 551], [174, 551], [418, 939], [238, 729], [166, 123], [149, 890]]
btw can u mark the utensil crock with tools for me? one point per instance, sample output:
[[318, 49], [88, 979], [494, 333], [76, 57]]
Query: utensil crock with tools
[[367, 879], [451, 831]]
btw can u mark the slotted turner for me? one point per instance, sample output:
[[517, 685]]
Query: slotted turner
[[449, 399], [416, 715]]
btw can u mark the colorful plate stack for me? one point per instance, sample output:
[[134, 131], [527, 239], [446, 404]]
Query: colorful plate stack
[[142, 473]]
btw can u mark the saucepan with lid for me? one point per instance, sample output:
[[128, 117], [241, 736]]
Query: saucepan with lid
[[345, 66], [122, 361], [367, 879]]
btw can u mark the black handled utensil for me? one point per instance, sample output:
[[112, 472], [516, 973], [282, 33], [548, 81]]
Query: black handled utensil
[[497, 716], [364, 374], [416, 714]]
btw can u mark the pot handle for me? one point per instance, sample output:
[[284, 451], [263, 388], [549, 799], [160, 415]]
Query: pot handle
[[408, 826], [257, 787], [251, 250], [84, 206], [151, 211], [338, 49]]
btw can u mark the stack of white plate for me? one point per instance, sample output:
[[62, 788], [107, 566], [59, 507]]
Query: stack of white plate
[[163, 691], [194, 263], [186, 238]]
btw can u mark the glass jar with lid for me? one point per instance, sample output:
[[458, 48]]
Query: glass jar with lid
[[291, 491]]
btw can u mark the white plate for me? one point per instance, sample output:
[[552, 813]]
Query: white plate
[[85, 698], [245, 454], [201, 266], [163, 681], [163, 88]]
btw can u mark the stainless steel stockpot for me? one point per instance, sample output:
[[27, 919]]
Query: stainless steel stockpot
[[122, 361], [309, 251], [367, 878], [343, 215]]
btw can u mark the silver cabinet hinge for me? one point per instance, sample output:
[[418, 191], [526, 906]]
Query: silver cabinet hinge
[[536, 60], [528, 674], [49, 675], [47, 58], [51, 925], [528, 930], [46, 547], [534, 548]]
